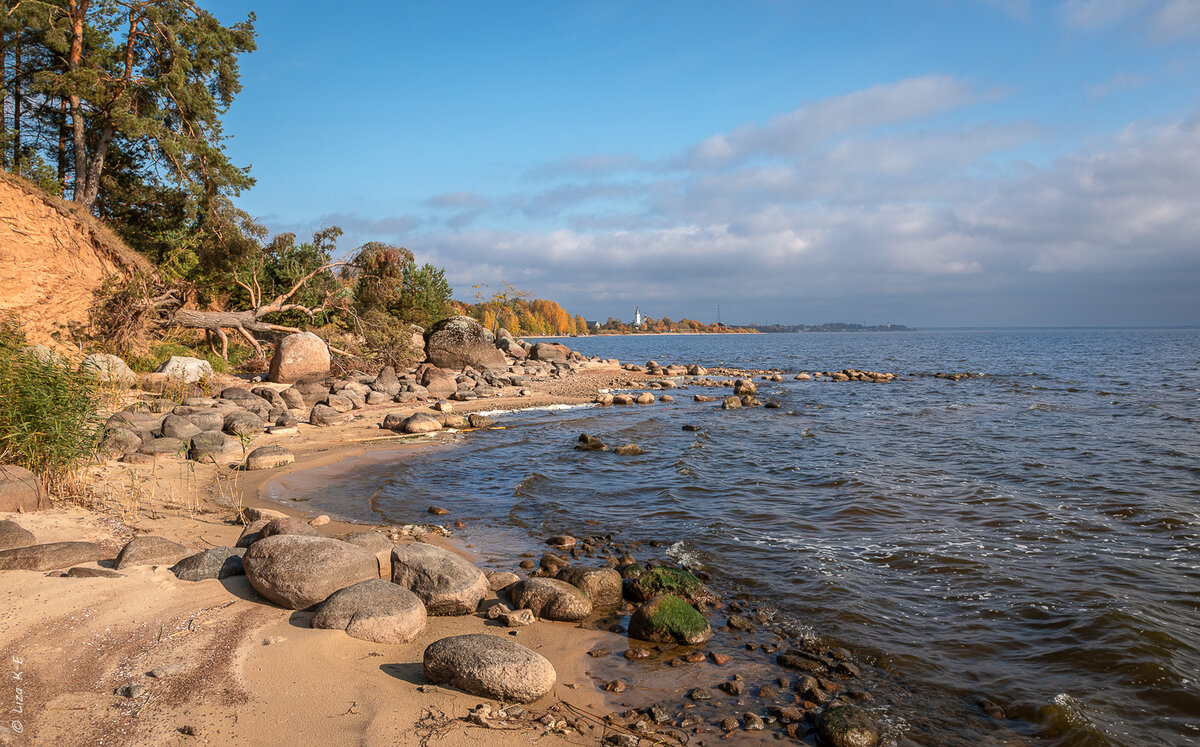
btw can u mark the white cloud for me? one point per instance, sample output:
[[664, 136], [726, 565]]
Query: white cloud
[[1117, 83]]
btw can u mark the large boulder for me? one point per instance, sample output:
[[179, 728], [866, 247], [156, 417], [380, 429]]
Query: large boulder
[[185, 369], [669, 619], [551, 599], [299, 356], [50, 556], [550, 352], [447, 583], [490, 667], [108, 369], [374, 610], [13, 535], [326, 415], [150, 550], [297, 572], [216, 562], [602, 585], [459, 342], [20, 489], [211, 445]]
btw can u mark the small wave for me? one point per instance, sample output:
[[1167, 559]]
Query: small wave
[[539, 408], [689, 559]]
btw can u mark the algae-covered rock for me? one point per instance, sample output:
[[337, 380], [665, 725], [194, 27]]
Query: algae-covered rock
[[669, 619], [847, 726], [662, 580]]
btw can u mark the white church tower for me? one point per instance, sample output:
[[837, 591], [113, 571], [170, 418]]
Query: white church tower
[[638, 319]]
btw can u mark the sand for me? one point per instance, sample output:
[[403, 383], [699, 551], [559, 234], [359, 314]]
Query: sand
[[237, 669]]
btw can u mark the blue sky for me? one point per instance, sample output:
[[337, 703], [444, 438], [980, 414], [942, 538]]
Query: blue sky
[[938, 163]]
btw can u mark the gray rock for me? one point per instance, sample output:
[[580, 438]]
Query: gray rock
[[551, 599], [437, 382], [218, 562], [174, 426], [325, 415], [550, 352], [13, 535], [213, 445], [447, 583], [601, 585], [374, 610], [243, 424], [185, 369], [459, 342], [387, 382], [108, 369], [339, 403], [250, 534], [297, 572], [289, 525], [744, 387], [20, 489], [269, 457], [293, 399], [208, 420], [164, 447], [499, 580], [150, 550], [118, 442], [490, 667], [50, 556]]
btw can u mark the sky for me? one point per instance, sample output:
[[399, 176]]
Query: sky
[[920, 162]]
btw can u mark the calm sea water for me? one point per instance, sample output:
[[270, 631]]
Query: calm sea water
[[1031, 536]]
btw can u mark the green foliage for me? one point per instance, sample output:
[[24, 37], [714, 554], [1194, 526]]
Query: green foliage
[[390, 281], [48, 423], [387, 340]]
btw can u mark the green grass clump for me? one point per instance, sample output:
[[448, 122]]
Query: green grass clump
[[48, 416]]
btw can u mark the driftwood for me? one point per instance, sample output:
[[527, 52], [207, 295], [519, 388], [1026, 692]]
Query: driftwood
[[244, 322]]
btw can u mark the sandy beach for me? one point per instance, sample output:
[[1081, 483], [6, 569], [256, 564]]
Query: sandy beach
[[233, 668]]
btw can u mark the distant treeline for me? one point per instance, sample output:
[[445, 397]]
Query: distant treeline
[[831, 327]]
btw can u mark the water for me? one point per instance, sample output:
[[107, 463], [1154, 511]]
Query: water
[[1030, 536]]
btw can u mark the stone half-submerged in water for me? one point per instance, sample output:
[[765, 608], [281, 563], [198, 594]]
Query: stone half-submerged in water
[[669, 619], [847, 726], [664, 580]]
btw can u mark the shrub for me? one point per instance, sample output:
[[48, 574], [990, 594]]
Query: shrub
[[48, 423]]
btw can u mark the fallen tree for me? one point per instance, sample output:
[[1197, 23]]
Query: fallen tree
[[215, 323]]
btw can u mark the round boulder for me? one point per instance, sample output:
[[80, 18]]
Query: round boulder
[[601, 585], [269, 457], [299, 356], [459, 342], [289, 525], [374, 610], [669, 619], [447, 583], [108, 369], [13, 535], [847, 726], [20, 489], [490, 667], [551, 599], [297, 572], [185, 369]]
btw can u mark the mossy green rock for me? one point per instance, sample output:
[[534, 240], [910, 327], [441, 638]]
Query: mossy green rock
[[847, 726], [669, 619], [663, 580]]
